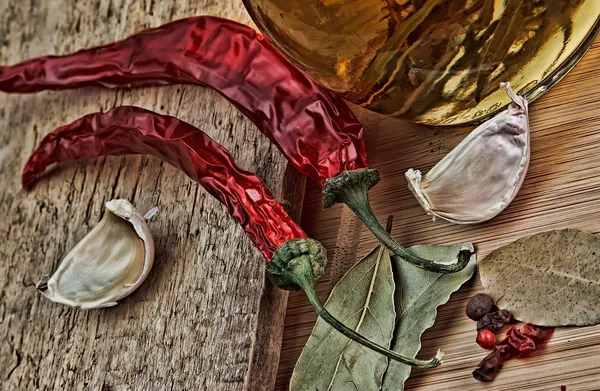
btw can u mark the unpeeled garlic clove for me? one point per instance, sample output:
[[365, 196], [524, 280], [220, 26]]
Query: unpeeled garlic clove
[[109, 263], [483, 174]]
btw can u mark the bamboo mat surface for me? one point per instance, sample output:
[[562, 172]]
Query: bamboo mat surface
[[562, 189]]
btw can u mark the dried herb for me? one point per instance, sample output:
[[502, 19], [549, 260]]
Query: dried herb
[[332, 362], [539, 278], [364, 301], [418, 294]]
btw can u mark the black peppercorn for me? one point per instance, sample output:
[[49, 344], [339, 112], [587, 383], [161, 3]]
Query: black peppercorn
[[479, 305]]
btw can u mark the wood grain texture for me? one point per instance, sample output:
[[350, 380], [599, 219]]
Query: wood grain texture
[[206, 319], [562, 189]]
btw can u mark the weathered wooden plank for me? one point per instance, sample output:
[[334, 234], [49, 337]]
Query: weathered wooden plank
[[562, 189], [201, 320]]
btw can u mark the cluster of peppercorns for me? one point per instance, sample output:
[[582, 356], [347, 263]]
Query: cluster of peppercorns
[[490, 319]]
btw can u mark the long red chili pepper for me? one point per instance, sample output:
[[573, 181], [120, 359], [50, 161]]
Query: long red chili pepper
[[294, 261], [129, 130], [313, 128]]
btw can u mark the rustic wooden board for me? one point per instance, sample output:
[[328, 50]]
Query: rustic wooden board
[[206, 319], [562, 189]]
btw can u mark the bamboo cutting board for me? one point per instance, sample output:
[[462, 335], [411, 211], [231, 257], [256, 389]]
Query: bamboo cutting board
[[562, 189], [206, 318]]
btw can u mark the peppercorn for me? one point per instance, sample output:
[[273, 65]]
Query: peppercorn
[[486, 339], [479, 305], [494, 321]]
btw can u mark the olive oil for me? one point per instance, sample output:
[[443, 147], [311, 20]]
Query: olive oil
[[431, 61]]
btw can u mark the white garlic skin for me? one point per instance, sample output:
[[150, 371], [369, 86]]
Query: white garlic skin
[[109, 263], [481, 176]]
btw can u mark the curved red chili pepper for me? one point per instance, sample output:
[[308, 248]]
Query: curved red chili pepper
[[296, 261], [313, 127], [132, 130]]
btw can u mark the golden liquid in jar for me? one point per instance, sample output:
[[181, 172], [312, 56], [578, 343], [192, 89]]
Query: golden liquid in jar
[[431, 61]]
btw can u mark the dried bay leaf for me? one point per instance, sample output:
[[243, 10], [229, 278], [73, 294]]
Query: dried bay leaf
[[548, 279], [418, 294], [364, 301]]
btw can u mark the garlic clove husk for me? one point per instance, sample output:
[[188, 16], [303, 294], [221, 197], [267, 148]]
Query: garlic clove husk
[[109, 263], [482, 175]]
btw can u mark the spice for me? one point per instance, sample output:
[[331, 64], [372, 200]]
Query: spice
[[481, 176], [517, 342], [293, 260], [494, 321], [312, 127], [479, 305], [486, 339], [108, 264]]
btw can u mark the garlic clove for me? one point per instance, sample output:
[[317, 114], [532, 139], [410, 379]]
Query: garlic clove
[[109, 263], [482, 175]]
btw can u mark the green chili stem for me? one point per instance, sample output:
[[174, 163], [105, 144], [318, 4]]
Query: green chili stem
[[351, 188]]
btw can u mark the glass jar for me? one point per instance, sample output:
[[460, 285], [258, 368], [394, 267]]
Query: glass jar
[[432, 61]]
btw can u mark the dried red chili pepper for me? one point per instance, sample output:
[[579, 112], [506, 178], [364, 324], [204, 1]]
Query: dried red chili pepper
[[128, 130], [518, 341], [294, 261], [314, 128]]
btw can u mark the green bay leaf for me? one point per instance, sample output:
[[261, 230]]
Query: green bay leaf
[[548, 279], [418, 294], [364, 301]]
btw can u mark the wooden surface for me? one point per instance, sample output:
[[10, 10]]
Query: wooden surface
[[200, 321], [562, 189]]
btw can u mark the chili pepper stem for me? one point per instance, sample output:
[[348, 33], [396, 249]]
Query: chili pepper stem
[[351, 188], [297, 264]]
